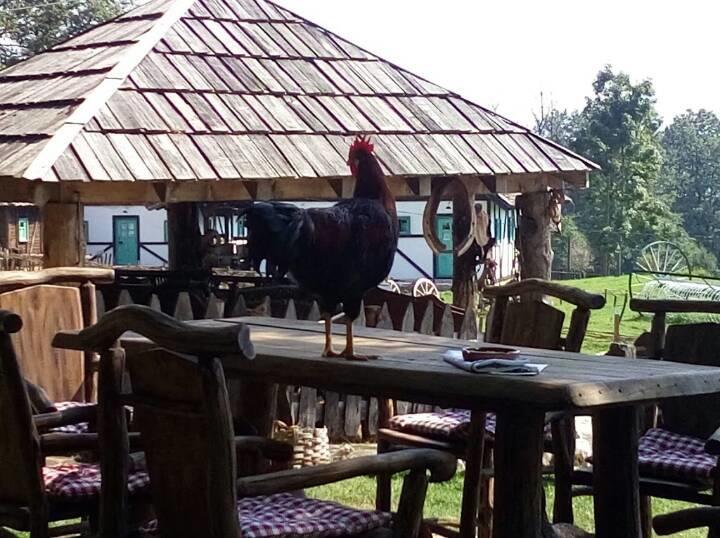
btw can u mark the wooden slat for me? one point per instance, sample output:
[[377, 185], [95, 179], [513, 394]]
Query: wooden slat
[[545, 164], [240, 70], [298, 161], [216, 156], [89, 160], [171, 156], [285, 116], [222, 71], [313, 106], [150, 157], [112, 162], [263, 113], [130, 156], [206, 113], [183, 64], [228, 116], [193, 156], [134, 112], [206, 36], [286, 81], [263, 75], [167, 112], [68, 167], [186, 111], [245, 113]]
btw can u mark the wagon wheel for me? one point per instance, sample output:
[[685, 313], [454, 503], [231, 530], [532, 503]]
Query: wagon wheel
[[663, 257], [390, 285], [658, 262], [423, 287]]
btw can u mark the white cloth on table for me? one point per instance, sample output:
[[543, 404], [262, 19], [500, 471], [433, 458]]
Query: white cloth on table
[[518, 366]]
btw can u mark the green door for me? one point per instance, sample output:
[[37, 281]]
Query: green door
[[127, 247], [444, 260]]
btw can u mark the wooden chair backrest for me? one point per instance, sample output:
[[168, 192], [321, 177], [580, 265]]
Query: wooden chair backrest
[[183, 414], [696, 343], [20, 456], [530, 322], [45, 310]]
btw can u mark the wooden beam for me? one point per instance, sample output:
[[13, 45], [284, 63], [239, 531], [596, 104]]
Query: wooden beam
[[464, 284], [536, 253], [63, 242], [184, 241]]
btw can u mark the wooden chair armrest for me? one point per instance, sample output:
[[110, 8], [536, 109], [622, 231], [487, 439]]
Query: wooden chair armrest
[[712, 444], [578, 297], [165, 331], [269, 448], [441, 466], [690, 518], [66, 417], [63, 444]]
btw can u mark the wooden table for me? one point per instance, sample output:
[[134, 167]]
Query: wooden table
[[410, 368]]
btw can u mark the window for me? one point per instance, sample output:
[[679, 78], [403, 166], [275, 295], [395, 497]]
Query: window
[[404, 225], [86, 230], [23, 229]]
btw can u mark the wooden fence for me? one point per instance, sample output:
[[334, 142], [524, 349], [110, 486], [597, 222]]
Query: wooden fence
[[347, 417]]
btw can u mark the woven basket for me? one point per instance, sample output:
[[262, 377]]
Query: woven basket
[[311, 446]]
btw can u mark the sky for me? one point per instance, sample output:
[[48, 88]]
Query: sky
[[503, 54]]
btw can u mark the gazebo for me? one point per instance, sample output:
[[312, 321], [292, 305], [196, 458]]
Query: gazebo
[[182, 101]]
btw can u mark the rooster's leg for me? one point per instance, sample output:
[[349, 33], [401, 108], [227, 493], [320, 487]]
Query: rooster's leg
[[328, 350], [349, 351]]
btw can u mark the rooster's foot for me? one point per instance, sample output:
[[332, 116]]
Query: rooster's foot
[[330, 354]]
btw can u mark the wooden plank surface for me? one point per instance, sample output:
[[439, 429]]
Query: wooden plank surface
[[410, 368]]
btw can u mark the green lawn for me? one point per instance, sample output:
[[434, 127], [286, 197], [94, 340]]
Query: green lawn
[[443, 500]]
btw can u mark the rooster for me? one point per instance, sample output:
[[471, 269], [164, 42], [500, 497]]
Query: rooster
[[336, 253]]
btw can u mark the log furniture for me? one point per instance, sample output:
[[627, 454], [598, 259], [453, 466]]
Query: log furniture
[[49, 301], [611, 389], [32, 495], [183, 413], [517, 318], [679, 445]]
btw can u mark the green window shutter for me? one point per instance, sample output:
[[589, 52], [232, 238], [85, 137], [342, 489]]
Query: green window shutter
[[23, 229]]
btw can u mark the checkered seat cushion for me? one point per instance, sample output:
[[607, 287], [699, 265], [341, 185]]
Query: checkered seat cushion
[[82, 480], [664, 454], [285, 515], [80, 427], [446, 425]]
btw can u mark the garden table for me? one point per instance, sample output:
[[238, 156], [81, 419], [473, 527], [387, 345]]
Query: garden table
[[410, 367]]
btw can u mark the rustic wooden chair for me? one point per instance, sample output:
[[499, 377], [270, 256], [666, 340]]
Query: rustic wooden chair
[[678, 450], [31, 494], [528, 322], [183, 414]]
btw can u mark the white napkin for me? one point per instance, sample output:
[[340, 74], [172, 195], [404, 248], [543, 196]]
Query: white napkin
[[519, 366]]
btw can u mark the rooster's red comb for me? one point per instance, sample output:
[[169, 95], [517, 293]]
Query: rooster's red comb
[[362, 143]]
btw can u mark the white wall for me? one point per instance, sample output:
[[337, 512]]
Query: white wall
[[152, 230]]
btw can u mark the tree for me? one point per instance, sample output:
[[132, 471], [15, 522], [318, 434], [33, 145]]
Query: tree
[[557, 125], [692, 173], [31, 26], [623, 209]]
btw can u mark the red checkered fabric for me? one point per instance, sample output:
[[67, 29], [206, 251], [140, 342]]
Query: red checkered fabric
[[285, 515], [447, 425], [664, 454], [80, 427], [73, 480]]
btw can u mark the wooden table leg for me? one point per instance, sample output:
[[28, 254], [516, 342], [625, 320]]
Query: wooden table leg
[[518, 466], [615, 473]]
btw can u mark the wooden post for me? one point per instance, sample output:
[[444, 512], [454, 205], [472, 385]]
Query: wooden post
[[63, 242], [184, 241], [536, 253], [464, 285]]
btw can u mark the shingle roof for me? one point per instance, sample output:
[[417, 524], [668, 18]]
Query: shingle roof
[[241, 89]]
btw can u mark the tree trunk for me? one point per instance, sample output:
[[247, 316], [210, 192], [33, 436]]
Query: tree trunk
[[536, 253], [63, 242], [184, 241], [464, 285]]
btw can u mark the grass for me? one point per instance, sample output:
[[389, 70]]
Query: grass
[[443, 500]]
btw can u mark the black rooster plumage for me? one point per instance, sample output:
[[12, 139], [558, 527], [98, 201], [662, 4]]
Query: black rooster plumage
[[336, 253]]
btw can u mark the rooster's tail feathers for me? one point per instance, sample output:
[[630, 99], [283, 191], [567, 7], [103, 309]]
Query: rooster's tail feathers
[[273, 233]]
